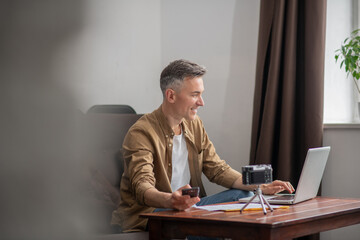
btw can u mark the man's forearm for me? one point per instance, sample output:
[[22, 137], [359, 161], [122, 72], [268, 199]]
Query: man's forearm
[[157, 199], [238, 184]]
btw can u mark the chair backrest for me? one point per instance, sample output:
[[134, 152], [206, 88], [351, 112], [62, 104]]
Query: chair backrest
[[104, 137], [111, 109]]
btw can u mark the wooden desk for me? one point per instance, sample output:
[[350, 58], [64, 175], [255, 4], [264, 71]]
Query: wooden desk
[[313, 216]]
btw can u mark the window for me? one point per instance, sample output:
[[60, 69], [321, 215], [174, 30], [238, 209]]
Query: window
[[341, 99]]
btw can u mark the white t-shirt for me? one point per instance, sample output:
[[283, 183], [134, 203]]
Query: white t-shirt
[[180, 164]]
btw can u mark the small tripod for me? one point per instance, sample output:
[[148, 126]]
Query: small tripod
[[261, 198]]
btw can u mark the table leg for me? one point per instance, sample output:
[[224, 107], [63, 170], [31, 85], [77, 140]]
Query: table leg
[[154, 229]]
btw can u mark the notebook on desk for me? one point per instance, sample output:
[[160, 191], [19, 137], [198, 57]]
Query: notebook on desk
[[309, 181]]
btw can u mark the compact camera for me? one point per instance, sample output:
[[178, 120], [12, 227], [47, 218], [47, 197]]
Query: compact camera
[[257, 174]]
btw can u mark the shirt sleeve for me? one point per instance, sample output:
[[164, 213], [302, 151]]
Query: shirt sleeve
[[138, 157]]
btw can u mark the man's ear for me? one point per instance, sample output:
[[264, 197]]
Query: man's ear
[[170, 95]]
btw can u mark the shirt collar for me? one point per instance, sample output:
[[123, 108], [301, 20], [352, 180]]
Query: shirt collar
[[163, 122], [167, 130]]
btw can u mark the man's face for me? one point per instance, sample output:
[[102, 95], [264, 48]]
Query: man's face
[[189, 98]]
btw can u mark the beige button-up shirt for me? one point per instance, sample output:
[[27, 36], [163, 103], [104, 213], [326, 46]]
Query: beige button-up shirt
[[147, 151]]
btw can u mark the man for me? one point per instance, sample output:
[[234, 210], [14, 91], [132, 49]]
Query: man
[[168, 149]]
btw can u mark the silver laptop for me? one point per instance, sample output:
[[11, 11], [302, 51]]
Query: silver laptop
[[309, 181]]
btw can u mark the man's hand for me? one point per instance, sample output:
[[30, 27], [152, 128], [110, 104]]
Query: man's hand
[[182, 202], [270, 189], [175, 200], [276, 187]]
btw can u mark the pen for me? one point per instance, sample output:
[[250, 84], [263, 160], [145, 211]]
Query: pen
[[254, 209]]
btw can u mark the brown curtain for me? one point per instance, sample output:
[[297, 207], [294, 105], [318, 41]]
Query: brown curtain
[[288, 100]]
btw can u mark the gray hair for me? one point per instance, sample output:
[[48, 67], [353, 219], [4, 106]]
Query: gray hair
[[174, 74]]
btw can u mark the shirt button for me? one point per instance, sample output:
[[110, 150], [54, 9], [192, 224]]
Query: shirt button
[[172, 134], [169, 164], [170, 144], [166, 136]]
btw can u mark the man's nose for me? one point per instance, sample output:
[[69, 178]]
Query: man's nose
[[200, 102]]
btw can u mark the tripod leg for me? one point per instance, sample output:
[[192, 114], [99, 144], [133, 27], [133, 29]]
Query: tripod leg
[[267, 203], [262, 203], [253, 197]]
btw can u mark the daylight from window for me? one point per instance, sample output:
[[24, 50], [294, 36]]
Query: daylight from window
[[340, 94]]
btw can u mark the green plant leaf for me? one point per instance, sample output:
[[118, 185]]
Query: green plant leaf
[[355, 31], [349, 52]]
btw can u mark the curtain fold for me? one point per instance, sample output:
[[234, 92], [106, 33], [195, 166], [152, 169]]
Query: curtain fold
[[288, 98]]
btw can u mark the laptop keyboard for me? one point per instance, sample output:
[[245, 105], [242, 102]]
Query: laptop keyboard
[[284, 197]]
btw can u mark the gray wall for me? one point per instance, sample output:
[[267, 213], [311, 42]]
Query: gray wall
[[112, 52], [341, 177]]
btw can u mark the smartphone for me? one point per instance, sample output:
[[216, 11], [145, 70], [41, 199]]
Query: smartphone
[[193, 192]]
